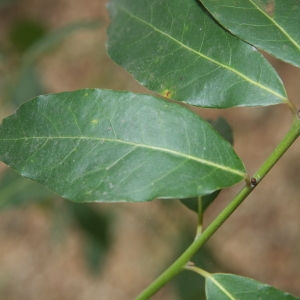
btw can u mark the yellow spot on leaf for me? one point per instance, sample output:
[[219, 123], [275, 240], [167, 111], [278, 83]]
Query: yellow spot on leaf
[[86, 94], [167, 93], [95, 121]]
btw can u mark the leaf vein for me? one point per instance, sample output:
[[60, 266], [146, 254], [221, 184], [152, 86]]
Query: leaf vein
[[276, 24], [246, 78], [154, 148]]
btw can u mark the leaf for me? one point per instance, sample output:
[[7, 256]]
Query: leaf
[[24, 33], [96, 225], [29, 85], [192, 203], [270, 25], [102, 145], [177, 50], [225, 130], [92, 221], [233, 287], [16, 191], [52, 39], [190, 285]]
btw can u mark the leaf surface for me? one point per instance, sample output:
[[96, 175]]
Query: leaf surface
[[233, 287], [271, 25], [224, 129], [176, 49], [101, 145]]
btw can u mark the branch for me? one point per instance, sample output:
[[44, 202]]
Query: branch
[[182, 261]]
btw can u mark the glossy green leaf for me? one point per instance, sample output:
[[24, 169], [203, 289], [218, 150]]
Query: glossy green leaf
[[225, 130], [176, 49], [101, 145], [233, 287], [271, 25]]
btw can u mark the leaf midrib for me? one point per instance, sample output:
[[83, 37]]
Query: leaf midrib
[[211, 277], [221, 287], [277, 25], [173, 152], [246, 78]]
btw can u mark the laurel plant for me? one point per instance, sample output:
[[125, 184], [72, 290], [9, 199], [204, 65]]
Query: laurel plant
[[96, 145]]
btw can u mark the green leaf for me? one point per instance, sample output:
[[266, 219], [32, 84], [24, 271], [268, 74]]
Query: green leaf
[[225, 130], [101, 145], [52, 40], [25, 32], [96, 226], [223, 127], [177, 50], [267, 24], [192, 203], [29, 85], [16, 191], [228, 286], [92, 221]]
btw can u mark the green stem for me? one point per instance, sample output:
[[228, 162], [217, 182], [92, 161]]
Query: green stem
[[182, 261], [200, 218], [287, 141]]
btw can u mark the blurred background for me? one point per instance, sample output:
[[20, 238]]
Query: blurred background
[[53, 249]]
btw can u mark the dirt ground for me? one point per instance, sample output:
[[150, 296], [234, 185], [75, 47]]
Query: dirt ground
[[260, 240]]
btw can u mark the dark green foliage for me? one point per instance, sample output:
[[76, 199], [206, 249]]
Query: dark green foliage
[[97, 145], [180, 52], [25, 33], [95, 225], [269, 25]]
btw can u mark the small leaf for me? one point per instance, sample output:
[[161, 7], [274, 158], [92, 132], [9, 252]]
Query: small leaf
[[270, 25], [233, 287], [101, 145], [177, 50], [192, 203]]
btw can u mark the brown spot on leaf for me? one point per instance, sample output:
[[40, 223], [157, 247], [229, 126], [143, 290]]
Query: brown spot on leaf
[[270, 8]]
